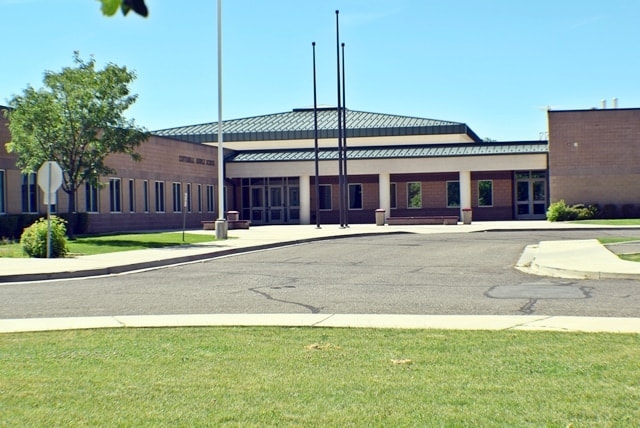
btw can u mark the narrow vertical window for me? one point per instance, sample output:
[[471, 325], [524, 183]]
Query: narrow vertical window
[[325, 197], [3, 208], [188, 196], [159, 196], [91, 197], [29, 193], [392, 196], [115, 196], [453, 194], [414, 195], [132, 196], [199, 197], [485, 193], [211, 206], [177, 197], [145, 196], [355, 196]]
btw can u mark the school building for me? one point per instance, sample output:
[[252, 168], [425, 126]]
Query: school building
[[406, 166]]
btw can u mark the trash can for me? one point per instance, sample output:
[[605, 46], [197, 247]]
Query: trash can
[[466, 215], [380, 216], [233, 215]]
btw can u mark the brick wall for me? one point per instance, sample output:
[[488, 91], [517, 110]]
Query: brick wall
[[594, 156]]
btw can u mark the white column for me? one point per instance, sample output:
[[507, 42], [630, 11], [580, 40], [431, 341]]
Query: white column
[[305, 199], [384, 193], [465, 190]]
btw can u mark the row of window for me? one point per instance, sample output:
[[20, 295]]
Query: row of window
[[414, 195], [182, 200], [179, 199]]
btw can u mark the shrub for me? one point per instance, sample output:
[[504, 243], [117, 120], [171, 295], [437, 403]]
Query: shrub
[[560, 211], [34, 238]]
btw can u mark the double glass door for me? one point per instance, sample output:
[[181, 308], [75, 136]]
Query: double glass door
[[531, 194], [271, 200]]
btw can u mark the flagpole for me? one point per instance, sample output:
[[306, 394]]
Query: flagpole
[[340, 174], [344, 144], [315, 135], [221, 222]]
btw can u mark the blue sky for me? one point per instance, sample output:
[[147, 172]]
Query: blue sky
[[493, 64]]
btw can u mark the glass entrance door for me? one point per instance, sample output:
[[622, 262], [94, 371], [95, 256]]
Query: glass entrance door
[[531, 194], [274, 200], [275, 207]]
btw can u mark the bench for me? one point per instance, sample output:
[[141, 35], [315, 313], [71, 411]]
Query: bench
[[431, 219], [231, 224]]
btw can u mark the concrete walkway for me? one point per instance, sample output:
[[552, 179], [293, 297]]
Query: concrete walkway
[[586, 259]]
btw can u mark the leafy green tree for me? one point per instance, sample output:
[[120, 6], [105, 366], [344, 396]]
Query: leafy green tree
[[76, 120], [110, 7]]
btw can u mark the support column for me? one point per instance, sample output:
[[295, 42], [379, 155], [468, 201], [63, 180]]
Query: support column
[[465, 191], [305, 199], [384, 193]]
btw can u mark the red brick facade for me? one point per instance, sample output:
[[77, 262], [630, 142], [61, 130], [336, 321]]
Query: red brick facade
[[594, 156]]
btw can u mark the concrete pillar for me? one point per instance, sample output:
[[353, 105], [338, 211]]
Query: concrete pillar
[[384, 193], [305, 199], [465, 191]]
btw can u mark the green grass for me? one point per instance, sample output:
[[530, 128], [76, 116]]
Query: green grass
[[113, 243], [273, 377], [611, 222]]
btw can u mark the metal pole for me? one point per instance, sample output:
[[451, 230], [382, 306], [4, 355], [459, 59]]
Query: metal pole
[[315, 135], [221, 223], [49, 212], [344, 144], [340, 176]]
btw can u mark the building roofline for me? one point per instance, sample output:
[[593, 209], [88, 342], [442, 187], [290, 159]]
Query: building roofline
[[594, 109]]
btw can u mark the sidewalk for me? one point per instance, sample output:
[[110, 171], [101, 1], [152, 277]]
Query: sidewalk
[[584, 259]]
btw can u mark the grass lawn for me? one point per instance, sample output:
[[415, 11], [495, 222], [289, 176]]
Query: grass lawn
[[611, 222], [112, 243], [318, 377]]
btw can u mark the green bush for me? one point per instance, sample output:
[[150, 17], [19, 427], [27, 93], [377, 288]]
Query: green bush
[[34, 238], [560, 211]]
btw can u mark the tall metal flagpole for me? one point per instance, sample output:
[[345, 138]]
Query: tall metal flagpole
[[344, 144], [315, 136], [221, 222], [340, 176]]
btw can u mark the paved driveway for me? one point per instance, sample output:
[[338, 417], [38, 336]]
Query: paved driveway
[[399, 274]]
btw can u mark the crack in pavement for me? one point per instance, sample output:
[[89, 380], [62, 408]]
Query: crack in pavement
[[268, 296]]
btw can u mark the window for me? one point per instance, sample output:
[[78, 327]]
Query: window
[[485, 193], [355, 196], [325, 197], [453, 194], [199, 197], [145, 196], [3, 208], [414, 195], [29, 193], [177, 197], [91, 197], [115, 198], [132, 196], [392, 196], [159, 196], [187, 194], [211, 200]]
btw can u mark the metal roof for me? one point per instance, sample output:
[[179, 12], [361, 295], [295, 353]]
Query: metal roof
[[390, 152], [299, 124]]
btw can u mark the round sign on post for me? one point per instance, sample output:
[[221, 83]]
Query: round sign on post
[[49, 180]]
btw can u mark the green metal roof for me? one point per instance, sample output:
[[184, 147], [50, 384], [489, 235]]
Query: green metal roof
[[390, 152], [299, 124]]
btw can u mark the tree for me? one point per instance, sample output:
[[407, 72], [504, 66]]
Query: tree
[[110, 7], [77, 121]]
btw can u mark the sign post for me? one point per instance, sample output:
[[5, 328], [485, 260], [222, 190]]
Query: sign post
[[49, 180]]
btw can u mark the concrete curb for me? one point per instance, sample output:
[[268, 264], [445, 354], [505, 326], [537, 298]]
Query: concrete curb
[[391, 321]]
